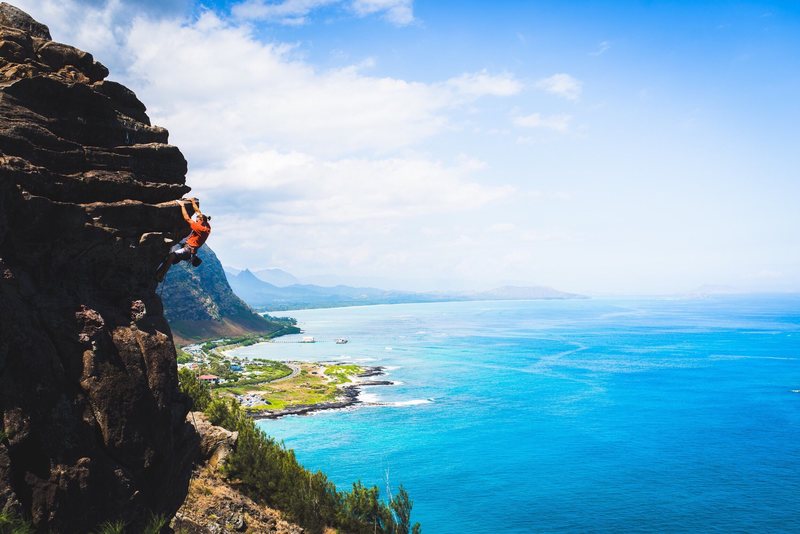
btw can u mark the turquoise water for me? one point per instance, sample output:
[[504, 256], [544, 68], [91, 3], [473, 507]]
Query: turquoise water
[[568, 416]]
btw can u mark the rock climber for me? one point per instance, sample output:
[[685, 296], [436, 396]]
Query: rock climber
[[187, 248]]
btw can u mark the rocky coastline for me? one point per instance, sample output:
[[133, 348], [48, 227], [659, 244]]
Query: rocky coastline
[[349, 397]]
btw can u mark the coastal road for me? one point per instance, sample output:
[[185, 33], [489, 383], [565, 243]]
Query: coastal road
[[295, 371]]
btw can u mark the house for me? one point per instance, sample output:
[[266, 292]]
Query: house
[[209, 379], [236, 368]]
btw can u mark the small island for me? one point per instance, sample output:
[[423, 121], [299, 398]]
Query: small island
[[269, 389]]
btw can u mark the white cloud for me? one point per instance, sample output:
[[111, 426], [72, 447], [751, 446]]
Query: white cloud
[[602, 48], [399, 12], [297, 188], [99, 30], [287, 12], [562, 85], [558, 123], [327, 163], [258, 95], [482, 84]]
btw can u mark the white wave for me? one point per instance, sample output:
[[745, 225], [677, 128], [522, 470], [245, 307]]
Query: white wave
[[387, 348], [413, 402], [368, 397], [392, 368]]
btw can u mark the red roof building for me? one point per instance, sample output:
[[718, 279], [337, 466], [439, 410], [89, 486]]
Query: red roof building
[[209, 378]]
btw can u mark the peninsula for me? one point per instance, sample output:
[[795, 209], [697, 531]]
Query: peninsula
[[269, 389]]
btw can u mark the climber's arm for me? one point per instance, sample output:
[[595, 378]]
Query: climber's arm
[[195, 205], [184, 212]]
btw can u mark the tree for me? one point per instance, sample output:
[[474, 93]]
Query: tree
[[194, 388]]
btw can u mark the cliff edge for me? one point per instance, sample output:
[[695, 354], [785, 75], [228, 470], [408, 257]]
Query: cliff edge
[[93, 425]]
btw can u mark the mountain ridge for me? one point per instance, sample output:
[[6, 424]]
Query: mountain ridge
[[265, 296], [200, 304]]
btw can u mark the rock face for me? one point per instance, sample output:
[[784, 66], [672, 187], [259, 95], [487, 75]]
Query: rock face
[[93, 424], [200, 304], [216, 443]]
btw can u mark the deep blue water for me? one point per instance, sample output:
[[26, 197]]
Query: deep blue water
[[568, 416]]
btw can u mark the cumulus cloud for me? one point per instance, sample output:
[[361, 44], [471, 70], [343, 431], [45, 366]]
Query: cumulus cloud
[[259, 95], [562, 85], [558, 123], [298, 188]]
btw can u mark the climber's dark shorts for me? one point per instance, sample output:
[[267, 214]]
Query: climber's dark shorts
[[187, 253], [184, 253]]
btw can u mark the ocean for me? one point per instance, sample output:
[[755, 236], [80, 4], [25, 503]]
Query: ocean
[[593, 415]]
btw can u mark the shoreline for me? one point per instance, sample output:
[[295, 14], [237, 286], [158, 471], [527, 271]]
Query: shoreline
[[347, 396]]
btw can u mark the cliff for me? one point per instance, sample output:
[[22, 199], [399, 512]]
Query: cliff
[[199, 303], [93, 424]]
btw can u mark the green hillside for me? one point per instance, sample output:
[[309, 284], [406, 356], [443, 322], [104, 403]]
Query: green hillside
[[199, 304]]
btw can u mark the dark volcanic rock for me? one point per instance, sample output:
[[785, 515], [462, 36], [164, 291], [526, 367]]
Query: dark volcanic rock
[[13, 17], [93, 425]]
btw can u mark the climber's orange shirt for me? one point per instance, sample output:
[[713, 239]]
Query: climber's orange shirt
[[199, 234]]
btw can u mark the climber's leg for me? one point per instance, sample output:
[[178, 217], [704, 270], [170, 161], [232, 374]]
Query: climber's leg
[[161, 272]]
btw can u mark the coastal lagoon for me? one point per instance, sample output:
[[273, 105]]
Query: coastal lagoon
[[568, 416]]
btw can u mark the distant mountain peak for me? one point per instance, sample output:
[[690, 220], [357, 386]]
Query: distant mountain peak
[[199, 302], [276, 277]]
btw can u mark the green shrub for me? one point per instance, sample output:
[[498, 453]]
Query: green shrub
[[195, 388], [13, 524], [267, 470], [112, 527]]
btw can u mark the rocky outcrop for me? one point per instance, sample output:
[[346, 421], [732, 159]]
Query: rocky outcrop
[[214, 505], [93, 425], [216, 443], [200, 304]]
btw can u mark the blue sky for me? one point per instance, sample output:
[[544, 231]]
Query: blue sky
[[601, 147]]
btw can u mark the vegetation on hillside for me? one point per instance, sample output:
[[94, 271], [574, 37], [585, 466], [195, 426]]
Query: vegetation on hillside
[[199, 304], [267, 471]]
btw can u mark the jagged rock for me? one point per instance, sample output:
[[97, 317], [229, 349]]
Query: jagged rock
[[13, 17], [93, 426], [216, 443]]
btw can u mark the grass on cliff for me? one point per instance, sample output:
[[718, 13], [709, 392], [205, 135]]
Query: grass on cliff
[[13, 524], [265, 470]]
